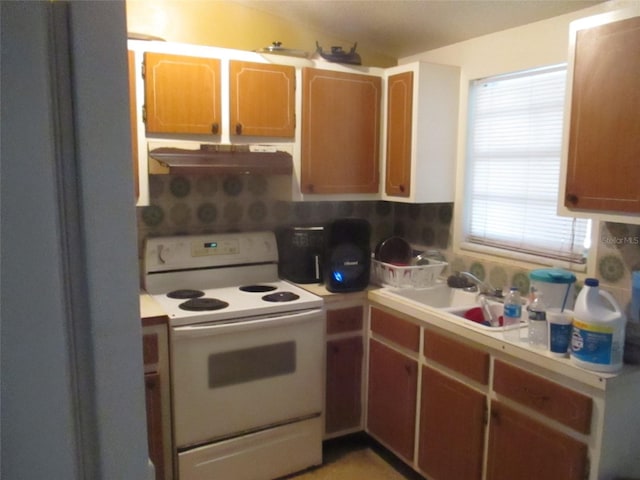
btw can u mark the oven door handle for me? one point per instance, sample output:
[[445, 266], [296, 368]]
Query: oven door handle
[[210, 329]]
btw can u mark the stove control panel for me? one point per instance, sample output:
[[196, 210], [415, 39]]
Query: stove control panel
[[210, 250], [214, 247]]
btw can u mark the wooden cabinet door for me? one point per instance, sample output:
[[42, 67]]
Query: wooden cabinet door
[[155, 437], [393, 386], [344, 379], [399, 122], [340, 132], [521, 448], [603, 171], [262, 99], [451, 437], [133, 117], [182, 94]]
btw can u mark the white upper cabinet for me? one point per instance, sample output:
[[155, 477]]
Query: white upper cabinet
[[420, 132]]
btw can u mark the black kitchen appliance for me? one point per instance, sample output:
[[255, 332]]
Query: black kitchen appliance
[[347, 261], [300, 252]]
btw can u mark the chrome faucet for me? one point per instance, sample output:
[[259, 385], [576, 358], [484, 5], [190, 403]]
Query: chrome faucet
[[484, 288]]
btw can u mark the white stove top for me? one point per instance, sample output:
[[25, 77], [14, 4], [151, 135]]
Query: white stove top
[[217, 265], [241, 304]]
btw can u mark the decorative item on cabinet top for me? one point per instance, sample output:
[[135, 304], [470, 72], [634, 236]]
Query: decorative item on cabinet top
[[221, 159], [338, 55], [277, 48]]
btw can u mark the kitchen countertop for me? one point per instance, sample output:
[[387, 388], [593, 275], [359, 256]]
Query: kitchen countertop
[[332, 297], [150, 312], [433, 317]]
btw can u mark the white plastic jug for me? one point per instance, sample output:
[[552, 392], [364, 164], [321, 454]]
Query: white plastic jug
[[597, 340]]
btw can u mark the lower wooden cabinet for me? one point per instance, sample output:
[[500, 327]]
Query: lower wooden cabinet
[[545, 397], [344, 366], [393, 386], [155, 437], [452, 421], [343, 386], [155, 350], [524, 449], [489, 414]]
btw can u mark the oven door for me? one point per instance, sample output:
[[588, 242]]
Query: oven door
[[232, 378]]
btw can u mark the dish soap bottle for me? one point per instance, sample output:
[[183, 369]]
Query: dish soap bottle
[[597, 341], [537, 321]]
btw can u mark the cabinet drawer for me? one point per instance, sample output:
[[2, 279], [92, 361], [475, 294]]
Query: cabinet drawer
[[402, 332], [462, 358], [344, 320], [548, 398], [150, 354]]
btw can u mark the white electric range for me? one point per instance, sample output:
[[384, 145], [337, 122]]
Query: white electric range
[[246, 356]]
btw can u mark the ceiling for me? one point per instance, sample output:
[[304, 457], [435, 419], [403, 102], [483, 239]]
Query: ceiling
[[399, 28]]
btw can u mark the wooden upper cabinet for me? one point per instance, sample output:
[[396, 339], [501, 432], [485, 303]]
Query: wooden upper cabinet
[[603, 170], [182, 94], [421, 122], [340, 132], [262, 99], [399, 113]]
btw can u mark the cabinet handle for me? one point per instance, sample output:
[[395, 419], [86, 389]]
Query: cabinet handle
[[495, 417], [310, 188], [215, 128], [238, 129], [571, 199], [401, 187]]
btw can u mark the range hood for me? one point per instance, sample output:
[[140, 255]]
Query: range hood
[[221, 159]]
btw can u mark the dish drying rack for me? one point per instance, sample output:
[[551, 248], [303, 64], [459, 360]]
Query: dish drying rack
[[414, 276]]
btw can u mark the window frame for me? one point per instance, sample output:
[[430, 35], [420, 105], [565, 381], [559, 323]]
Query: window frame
[[529, 256]]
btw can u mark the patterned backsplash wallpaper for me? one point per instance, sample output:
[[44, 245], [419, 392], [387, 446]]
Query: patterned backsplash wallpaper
[[200, 204], [184, 204]]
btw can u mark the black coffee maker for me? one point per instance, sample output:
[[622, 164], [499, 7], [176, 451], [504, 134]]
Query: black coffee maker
[[347, 258]]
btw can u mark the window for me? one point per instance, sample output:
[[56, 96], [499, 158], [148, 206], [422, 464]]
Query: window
[[513, 166]]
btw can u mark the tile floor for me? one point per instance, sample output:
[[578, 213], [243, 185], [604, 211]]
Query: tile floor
[[357, 458]]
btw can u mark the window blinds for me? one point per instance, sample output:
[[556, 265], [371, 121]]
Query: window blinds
[[514, 163]]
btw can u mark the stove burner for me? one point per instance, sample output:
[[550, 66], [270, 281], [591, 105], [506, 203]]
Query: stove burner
[[281, 297], [257, 288], [203, 304], [184, 294]]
